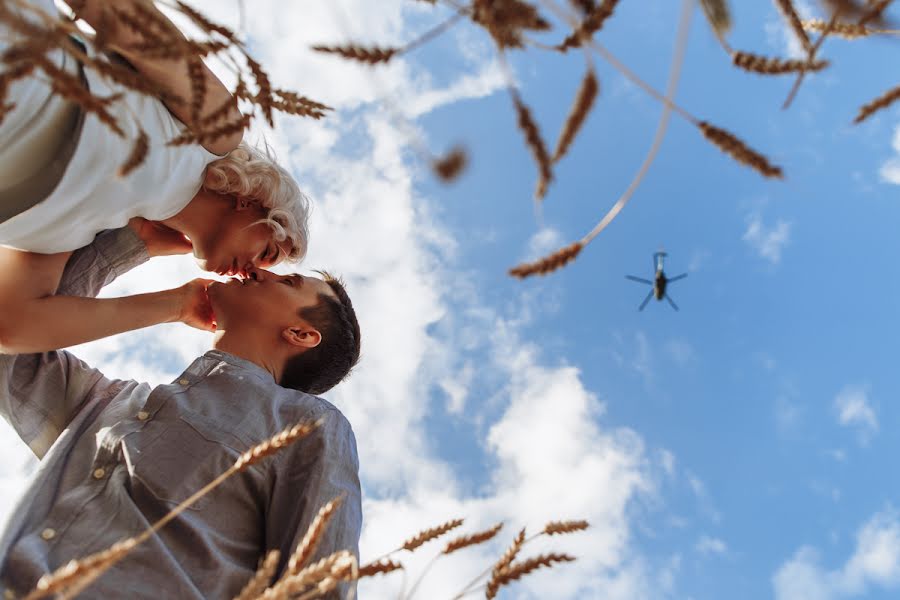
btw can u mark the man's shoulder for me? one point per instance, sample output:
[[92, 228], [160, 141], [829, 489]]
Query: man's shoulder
[[308, 407]]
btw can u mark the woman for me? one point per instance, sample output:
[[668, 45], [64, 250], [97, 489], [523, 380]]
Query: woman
[[225, 201]]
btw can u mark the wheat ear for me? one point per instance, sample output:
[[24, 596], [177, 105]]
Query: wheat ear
[[731, 145], [879, 103], [581, 107], [314, 532], [260, 580]]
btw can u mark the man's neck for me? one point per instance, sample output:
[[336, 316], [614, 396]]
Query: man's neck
[[249, 349]]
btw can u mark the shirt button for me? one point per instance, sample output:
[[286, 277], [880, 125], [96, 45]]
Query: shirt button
[[183, 382], [143, 415], [99, 473], [48, 534]]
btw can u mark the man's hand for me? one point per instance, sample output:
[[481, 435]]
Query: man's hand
[[196, 309], [159, 239]]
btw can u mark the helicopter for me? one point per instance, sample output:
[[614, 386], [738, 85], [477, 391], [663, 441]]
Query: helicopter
[[659, 283]]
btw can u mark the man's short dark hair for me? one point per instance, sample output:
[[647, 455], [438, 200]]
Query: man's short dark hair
[[319, 369]]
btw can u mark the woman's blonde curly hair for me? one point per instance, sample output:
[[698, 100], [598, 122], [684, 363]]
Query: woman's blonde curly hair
[[248, 173]]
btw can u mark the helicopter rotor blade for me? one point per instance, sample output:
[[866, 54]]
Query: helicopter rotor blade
[[677, 277], [639, 279], [675, 306], [646, 300]]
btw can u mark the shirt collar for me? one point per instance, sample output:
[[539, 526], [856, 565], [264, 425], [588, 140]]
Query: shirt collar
[[213, 358]]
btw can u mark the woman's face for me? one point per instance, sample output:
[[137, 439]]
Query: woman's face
[[239, 242]]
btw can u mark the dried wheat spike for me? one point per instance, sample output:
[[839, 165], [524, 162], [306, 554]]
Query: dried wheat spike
[[848, 31], [584, 100], [314, 532], [505, 20], [718, 15], [263, 97], [765, 65], [876, 9], [371, 56], [883, 101], [137, 156], [381, 566], [550, 263], [70, 573], [274, 444], [518, 570], [210, 135], [295, 98], [471, 539], [787, 10], [341, 563], [501, 565], [451, 165], [591, 24], [510, 554], [558, 527], [731, 145], [535, 143], [198, 88], [427, 535], [205, 24], [586, 6], [69, 86], [260, 580]]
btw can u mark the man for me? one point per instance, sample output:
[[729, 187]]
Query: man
[[117, 455]]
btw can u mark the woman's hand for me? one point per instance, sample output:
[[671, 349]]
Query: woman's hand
[[159, 239], [196, 309]]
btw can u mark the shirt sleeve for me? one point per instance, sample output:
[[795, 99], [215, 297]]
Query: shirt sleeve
[[310, 473], [41, 393]]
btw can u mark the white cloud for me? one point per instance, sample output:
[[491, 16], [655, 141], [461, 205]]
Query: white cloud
[[768, 242], [890, 170], [711, 545], [875, 562], [853, 409]]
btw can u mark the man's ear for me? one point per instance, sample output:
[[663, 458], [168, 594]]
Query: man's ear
[[302, 337]]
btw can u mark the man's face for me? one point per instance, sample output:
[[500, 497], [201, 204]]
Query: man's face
[[265, 300]]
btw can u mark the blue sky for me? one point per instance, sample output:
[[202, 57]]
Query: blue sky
[[738, 448]]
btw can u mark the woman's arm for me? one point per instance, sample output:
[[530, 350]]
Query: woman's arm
[[32, 319], [170, 74]]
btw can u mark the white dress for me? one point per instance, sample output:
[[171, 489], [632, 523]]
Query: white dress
[[90, 196]]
